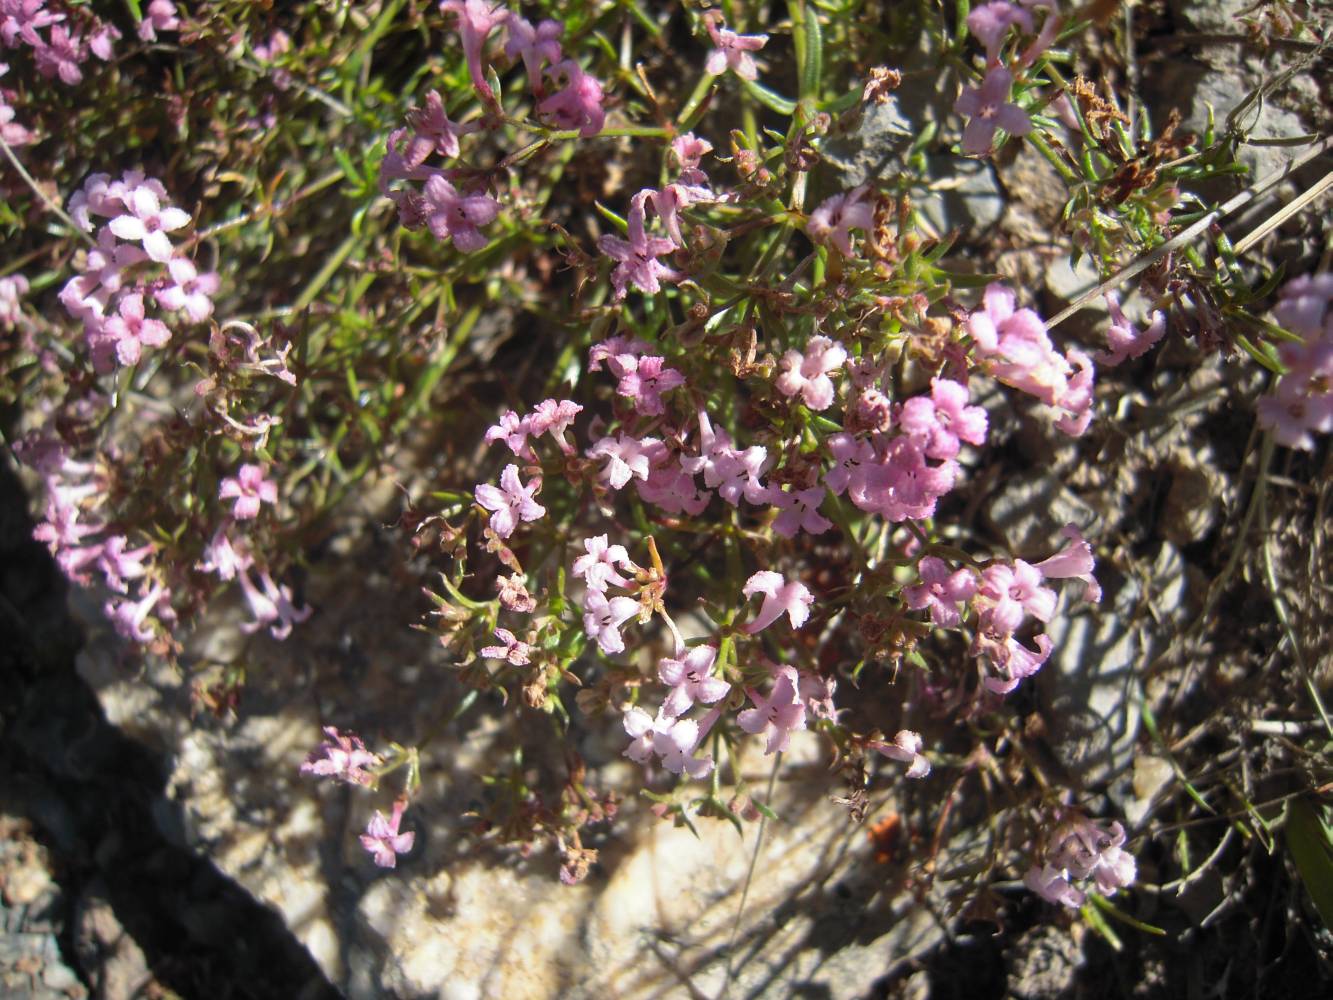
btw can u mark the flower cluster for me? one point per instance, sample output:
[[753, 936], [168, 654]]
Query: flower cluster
[[133, 262], [1081, 851], [69, 40], [1016, 349], [1302, 401]]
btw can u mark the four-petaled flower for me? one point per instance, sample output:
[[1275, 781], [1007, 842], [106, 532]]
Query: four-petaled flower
[[451, 215], [515, 650], [476, 20], [667, 737], [989, 109], [148, 223], [836, 217], [941, 591], [808, 373], [382, 838], [512, 502], [778, 715], [602, 620], [690, 681], [579, 103], [249, 489], [598, 565], [732, 52], [636, 258], [780, 597]]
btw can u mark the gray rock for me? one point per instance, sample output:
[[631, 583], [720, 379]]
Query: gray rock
[[1042, 964]]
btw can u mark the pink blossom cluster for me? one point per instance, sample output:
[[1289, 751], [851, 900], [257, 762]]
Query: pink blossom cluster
[[133, 262], [637, 258], [574, 99], [550, 416], [1301, 404], [66, 46], [600, 567], [343, 757], [448, 212], [1015, 348], [75, 513], [1003, 596], [1082, 851], [228, 556]]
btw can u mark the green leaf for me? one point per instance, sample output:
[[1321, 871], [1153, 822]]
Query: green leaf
[[1311, 846], [770, 99], [813, 70]]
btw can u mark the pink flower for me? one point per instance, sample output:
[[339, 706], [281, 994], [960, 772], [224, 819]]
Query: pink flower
[[451, 215], [382, 838], [836, 217], [514, 650], [690, 681], [817, 693], [148, 223], [989, 109], [777, 716], [990, 23], [618, 353], [672, 489], [513, 593], [1008, 591], [513, 431], [941, 591], [249, 489], [159, 15], [119, 565], [222, 558], [731, 472], [343, 757], [554, 417], [1124, 339], [434, 132], [597, 567], [128, 615], [190, 292], [672, 200], [687, 152], [61, 56], [1081, 850], [943, 419], [1305, 307], [850, 457], [636, 258], [901, 485], [578, 105], [476, 20], [780, 597], [1302, 401], [800, 511], [271, 605], [512, 502], [672, 739], [1073, 561], [644, 380], [906, 747], [732, 52], [1018, 352], [1052, 885], [130, 332], [534, 45], [628, 457], [602, 620], [807, 374], [1012, 661]]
